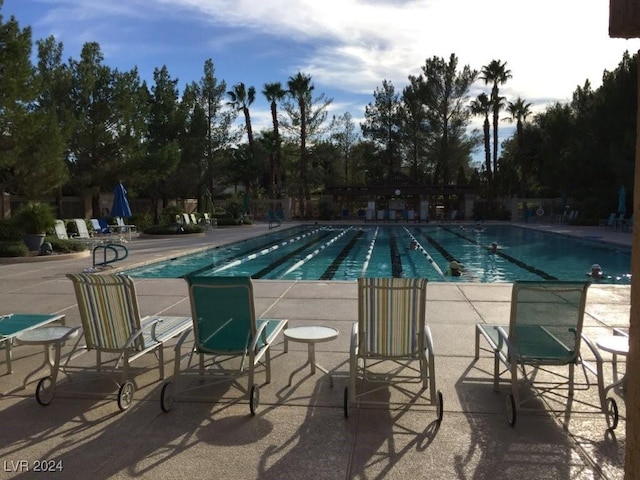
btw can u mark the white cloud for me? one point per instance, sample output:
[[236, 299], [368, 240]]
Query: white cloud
[[550, 46]]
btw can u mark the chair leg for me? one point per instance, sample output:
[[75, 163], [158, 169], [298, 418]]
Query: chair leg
[[496, 371], [268, 364], [161, 360]]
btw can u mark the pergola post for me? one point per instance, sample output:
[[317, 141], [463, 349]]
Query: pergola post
[[624, 22]]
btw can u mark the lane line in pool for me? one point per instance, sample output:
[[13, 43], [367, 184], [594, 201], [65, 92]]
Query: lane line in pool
[[426, 254], [507, 257], [396, 261], [287, 257], [259, 253], [314, 253], [331, 269], [367, 258]]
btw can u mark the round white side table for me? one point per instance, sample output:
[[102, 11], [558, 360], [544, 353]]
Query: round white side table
[[310, 335]]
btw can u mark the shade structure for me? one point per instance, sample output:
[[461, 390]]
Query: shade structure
[[622, 200], [120, 207], [206, 204]]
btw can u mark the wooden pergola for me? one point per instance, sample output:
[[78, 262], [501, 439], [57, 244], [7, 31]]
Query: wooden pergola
[[624, 22]]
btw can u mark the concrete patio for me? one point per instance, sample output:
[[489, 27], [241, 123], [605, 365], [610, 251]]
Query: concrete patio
[[300, 431]]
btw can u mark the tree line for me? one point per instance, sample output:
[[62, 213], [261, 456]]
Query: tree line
[[79, 126]]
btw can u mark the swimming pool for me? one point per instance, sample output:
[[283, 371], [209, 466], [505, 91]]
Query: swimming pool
[[314, 252]]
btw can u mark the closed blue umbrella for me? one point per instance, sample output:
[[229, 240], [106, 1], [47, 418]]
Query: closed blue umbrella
[[120, 207]]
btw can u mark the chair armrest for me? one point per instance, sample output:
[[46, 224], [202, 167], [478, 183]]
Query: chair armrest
[[152, 325], [353, 345], [503, 339], [429, 339], [262, 332]]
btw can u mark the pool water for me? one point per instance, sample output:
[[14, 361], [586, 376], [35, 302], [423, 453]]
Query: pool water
[[347, 252]]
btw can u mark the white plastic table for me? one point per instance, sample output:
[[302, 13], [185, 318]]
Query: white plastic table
[[11, 325], [310, 335], [616, 345], [52, 338]]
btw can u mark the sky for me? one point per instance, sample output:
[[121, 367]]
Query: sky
[[347, 46]]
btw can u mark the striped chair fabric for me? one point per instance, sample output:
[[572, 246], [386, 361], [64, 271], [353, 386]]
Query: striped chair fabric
[[391, 315], [108, 310]]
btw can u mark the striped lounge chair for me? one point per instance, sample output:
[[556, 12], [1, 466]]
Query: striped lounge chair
[[112, 324], [390, 338]]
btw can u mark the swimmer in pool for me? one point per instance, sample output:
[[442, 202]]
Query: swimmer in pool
[[455, 268], [596, 272], [494, 247]]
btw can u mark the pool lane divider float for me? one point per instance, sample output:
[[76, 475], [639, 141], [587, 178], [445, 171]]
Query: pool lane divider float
[[282, 260], [426, 254], [299, 263], [367, 258], [506, 256], [264, 251]]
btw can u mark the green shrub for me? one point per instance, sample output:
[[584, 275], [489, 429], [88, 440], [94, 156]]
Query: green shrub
[[34, 218], [168, 215], [66, 246], [9, 232], [191, 228], [13, 249], [229, 221], [142, 220], [173, 229]]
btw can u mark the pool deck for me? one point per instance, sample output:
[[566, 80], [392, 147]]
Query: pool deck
[[300, 431]]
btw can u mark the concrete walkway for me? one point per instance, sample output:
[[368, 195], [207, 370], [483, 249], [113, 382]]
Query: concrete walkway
[[300, 431]]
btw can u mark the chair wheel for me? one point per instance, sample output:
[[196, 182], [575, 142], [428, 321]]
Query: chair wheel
[[166, 397], [440, 406], [125, 395], [254, 399], [612, 413], [346, 402], [45, 391], [510, 408]]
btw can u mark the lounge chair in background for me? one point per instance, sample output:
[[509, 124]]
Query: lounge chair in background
[[391, 345], [229, 341], [112, 326], [61, 230], [273, 220], [98, 228], [82, 230], [544, 330], [608, 222]]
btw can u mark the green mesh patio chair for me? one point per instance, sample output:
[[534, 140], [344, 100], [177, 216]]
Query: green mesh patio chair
[[112, 326], [544, 330], [229, 341], [391, 345]]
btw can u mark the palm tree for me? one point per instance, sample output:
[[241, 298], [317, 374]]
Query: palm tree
[[481, 106], [275, 93], [495, 73], [519, 111], [300, 89], [241, 99]]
